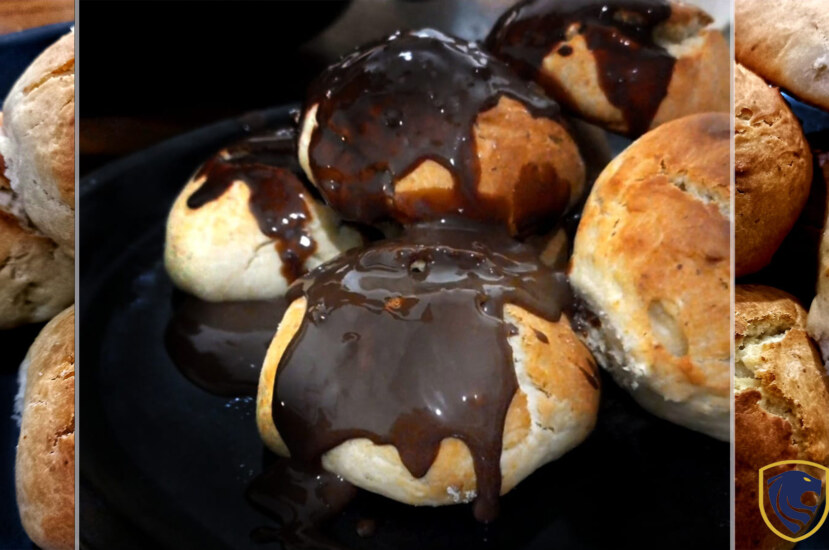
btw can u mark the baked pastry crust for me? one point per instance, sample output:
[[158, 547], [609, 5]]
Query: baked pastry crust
[[39, 141], [553, 411], [773, 171], [37, 278], [651, 263], [781, 401], [45, 466], [787, 43], [218, 252]]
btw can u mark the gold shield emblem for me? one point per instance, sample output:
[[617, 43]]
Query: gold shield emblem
[[781, 489]]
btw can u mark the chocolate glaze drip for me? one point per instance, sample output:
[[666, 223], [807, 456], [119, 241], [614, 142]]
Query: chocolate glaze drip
[[220, 346], [301, 497], [267, 165], [405, 343], [388, 107], [634, 71]]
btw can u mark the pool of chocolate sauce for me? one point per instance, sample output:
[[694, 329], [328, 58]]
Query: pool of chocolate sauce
[[405, 343], [267, 163], [634, 71], [389, 106], [301, 497], [220, 346]]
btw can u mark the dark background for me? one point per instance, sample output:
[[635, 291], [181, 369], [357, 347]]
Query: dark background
[[155, 69]]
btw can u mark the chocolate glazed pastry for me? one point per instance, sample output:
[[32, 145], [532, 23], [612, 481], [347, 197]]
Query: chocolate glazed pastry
[[267, 165], [387, 108], [439, 367], [633, 70]]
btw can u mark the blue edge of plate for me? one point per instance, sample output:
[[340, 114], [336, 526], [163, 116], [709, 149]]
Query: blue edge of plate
[[17, 51]]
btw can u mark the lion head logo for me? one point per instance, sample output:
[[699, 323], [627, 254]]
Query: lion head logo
[[786, 491]]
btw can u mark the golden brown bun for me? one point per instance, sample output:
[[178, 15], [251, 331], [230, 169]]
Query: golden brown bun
[[37, 279], [781, 401], [700, 80], [787, 43], [552, 412], [522, 160], [218, 252], [651, 262], [45, 467], [38, 141], [773, 171]]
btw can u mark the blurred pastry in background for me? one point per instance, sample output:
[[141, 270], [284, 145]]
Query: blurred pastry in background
[[626, 66], [773, 171], [422, 126], [37, 277], [819, 310], [781, 404], [38, 142], [435, 368], [45, 466], [651, 269], [787, 43], [246, 225]]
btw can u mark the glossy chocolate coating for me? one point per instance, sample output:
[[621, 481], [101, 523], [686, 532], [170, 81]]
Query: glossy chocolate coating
[[388, 107], [634, 71], [405, 343], [267, 164]]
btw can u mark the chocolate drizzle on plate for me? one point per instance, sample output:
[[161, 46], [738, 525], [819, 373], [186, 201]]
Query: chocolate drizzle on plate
[[405, 343], [220, 346], [634, 71], [388, 107], [267, 164], [301, 497]]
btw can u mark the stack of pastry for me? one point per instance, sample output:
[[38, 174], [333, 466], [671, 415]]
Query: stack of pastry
[[781, 388], [37, 267], [443, 356]]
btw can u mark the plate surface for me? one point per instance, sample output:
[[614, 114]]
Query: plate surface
[[165, 464]]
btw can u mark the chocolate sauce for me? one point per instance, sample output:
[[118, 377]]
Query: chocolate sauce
[[220, 347], [388, 107], [405, 343], [301, 497], [592, 377], [267, 165], [634, 71]]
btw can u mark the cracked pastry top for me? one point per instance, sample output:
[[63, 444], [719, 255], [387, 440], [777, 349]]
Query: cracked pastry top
[[651, 266], [781, 401]]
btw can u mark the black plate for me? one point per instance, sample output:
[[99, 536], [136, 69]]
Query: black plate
[[165, 464], [17, 50]]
